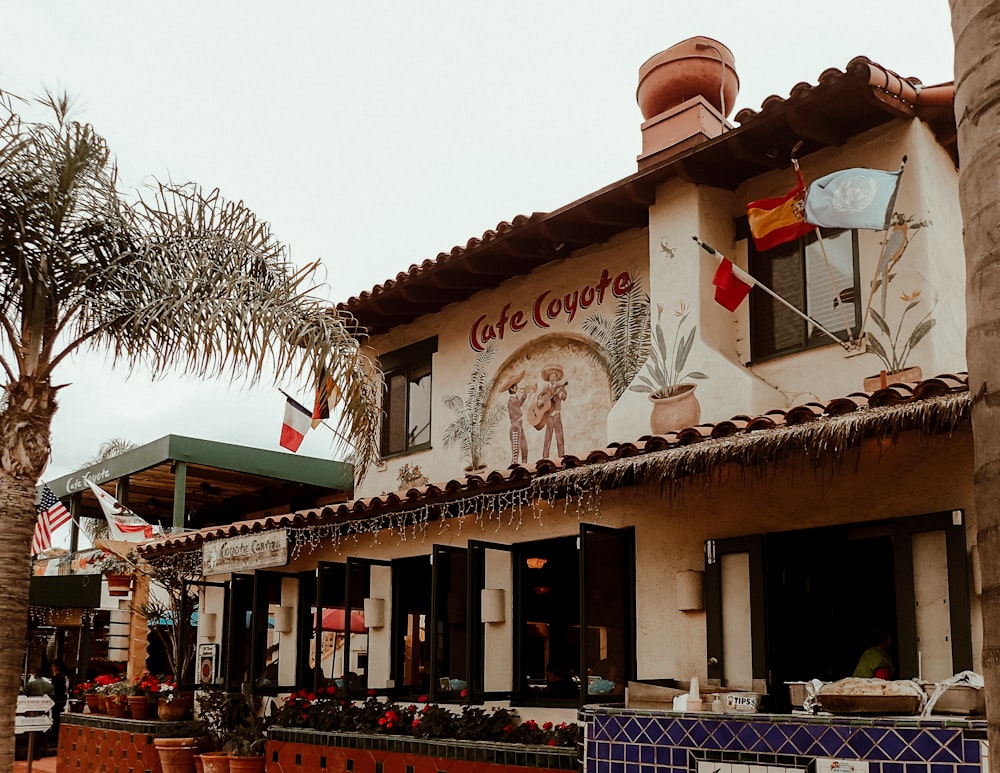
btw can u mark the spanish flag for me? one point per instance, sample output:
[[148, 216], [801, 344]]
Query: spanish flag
[[779, 220]]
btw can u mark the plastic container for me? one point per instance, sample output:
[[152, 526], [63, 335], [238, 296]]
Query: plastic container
[[958, 699]]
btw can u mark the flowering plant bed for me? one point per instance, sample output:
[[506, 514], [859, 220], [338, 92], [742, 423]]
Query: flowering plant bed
[[329, 711]]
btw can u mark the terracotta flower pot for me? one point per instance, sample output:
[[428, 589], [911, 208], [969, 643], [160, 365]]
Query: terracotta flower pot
[[246, 764], [119, 584], [693, 67], [172, 711], [93, 701], [117, 705], [141, 707], [215, 762], [675, 412], [883, 379], [176, 754]]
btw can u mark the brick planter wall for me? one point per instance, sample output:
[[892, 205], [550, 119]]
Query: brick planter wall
[[292, 750], [100, 743]]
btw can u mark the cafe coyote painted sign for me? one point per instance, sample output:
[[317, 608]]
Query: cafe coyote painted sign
[[546, 308], [248, 551]]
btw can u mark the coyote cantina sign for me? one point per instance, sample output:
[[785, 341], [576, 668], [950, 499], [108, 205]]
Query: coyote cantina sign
[[249, 551]]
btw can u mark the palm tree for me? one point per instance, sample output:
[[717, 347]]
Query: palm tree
[[174, 278], [976, 29]]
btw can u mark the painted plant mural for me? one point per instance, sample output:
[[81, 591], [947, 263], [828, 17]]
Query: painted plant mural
[[624, 337]]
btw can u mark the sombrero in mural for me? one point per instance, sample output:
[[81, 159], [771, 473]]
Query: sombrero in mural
[[549, 370], [514, 379]]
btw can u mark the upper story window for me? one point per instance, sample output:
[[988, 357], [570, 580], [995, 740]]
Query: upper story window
[[406, 425], [825, 287]]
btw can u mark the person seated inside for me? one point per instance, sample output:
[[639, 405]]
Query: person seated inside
[[876, 662]]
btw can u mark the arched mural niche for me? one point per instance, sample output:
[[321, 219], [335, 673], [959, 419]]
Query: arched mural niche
[[556, 384]]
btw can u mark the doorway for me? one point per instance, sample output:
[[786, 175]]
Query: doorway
[[829, 591]]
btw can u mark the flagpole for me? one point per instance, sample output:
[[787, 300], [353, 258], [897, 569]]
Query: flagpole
[[885, 242], [829, 269], [712, 251], [337, 434]]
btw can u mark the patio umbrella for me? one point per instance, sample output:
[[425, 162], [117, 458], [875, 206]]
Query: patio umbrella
[[333, 620]]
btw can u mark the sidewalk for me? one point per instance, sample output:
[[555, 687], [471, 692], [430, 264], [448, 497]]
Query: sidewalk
[[42, 765]]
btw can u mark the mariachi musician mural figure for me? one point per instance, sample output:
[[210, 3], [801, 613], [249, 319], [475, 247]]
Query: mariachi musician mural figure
[[515, 404], [547, 409]]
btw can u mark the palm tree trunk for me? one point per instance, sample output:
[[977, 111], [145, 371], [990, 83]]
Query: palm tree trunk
[[976, 30], [24, 436]]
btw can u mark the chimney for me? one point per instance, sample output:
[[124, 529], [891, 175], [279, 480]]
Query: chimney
[[685, 94]]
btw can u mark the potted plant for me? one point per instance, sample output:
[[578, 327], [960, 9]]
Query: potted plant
[[245, 724], [471, 429], [674, 403], [174, 605], [171, 706], [144, 695], [89, 693], [894, 347], [116, 697], [235, 723], [117, 573]]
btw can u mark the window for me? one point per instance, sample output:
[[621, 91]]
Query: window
[[411, 635], [337, 649], [575, 611], [781, 607], [824, 287], [406, 425], [449, 613]]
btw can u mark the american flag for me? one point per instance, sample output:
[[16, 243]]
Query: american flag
[[51, 515]]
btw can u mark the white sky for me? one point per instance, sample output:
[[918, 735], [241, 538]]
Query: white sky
[[374, 135]]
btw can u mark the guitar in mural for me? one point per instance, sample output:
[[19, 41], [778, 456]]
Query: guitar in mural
[[538, 410]]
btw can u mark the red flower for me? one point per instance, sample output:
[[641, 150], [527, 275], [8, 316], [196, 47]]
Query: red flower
[[551, 742], [423, 699], [381, 720], [547, 726], [416, 722], [463, 693], [311, 696], [371, 693], [508, 728]]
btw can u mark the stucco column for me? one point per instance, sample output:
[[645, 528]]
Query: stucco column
[[139, 627]]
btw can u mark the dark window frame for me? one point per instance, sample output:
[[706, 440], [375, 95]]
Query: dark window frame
[[405, 362], [763, 306]]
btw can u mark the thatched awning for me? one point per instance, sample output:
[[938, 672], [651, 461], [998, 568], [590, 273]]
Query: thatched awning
[[822, 442]]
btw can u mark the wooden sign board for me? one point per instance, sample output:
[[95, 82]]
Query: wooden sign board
[[34, 713]]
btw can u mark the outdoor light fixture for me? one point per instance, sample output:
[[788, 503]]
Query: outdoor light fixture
[[283, 619], [536, 563], [493, 605], [374, 612], [690, 591], [209, 620]]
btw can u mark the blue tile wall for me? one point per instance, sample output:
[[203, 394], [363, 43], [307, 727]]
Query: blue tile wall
[[633, 741]]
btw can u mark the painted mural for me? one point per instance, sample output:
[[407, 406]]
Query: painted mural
[[895, 337], [568, 357]]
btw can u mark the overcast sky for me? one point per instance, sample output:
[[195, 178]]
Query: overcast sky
[[375, 135]]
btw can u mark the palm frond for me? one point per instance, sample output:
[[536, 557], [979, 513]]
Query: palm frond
[[174, 277]]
